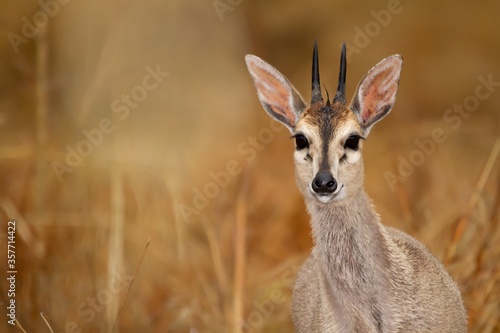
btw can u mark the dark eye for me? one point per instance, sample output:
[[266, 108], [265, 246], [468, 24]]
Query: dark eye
[[301, 142], [352, 142]]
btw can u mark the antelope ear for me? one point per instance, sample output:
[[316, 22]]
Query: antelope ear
[[276, 94], [377, 92]]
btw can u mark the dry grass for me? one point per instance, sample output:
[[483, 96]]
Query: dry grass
[[107, 248]]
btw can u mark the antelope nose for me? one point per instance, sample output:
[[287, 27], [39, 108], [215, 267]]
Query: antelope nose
[[324, 183]]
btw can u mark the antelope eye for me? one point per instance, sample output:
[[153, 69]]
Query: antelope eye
[[301, 142], [352, 142]]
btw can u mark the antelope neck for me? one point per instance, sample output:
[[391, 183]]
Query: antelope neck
[[349, 243]]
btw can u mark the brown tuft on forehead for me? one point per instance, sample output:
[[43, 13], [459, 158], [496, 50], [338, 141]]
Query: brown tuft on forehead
[[326, 117]]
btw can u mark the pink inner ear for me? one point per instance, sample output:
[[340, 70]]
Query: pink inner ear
[[379, 91], [273, 92]]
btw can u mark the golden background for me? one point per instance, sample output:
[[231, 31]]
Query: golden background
[[229, 254]]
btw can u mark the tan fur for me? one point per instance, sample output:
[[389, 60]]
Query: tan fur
[[361, 276]]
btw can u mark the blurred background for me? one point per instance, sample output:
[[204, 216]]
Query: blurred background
[[152, 193]]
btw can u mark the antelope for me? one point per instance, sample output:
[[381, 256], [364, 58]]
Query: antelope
[[361, 275]]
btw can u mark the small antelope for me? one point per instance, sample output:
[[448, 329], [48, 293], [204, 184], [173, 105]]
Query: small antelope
[[361, 276]]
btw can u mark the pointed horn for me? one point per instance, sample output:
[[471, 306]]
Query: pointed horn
[[340, 94], [316, 88]]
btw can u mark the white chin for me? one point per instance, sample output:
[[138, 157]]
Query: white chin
[[335, 196], [324, 198]]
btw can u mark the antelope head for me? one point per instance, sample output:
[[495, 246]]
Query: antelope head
[[328, 135]]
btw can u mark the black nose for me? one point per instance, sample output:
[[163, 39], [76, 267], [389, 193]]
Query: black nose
[[324, 183]]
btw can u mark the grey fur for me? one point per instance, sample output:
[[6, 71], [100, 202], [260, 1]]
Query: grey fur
[[365, 277], [361, 275]]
